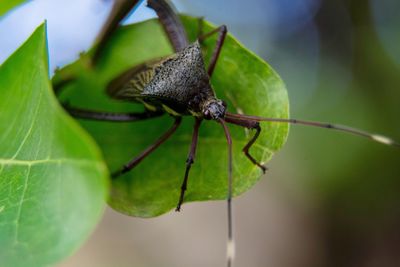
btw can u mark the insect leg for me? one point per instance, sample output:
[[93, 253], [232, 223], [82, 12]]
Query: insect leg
[[135, 161], [171, 23], [250, 125], [222, 30], [189, 161], [119, 11], [110, 116]]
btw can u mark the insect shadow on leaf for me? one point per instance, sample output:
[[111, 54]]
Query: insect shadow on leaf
[[179, 85]]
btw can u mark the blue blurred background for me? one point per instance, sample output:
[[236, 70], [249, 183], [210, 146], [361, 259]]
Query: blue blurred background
[[328, 199]]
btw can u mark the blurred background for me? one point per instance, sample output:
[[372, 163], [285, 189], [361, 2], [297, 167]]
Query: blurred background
[[328, 199]]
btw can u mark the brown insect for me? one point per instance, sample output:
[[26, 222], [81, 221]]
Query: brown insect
[[180, 86]]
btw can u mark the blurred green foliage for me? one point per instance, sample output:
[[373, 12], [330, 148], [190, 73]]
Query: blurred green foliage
[[357, 182], [7, 5]]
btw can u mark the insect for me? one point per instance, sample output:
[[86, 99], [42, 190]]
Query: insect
[[179, 85]]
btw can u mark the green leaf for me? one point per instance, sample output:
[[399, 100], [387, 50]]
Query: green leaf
[[246, 82], [7, 5], [53, 182]]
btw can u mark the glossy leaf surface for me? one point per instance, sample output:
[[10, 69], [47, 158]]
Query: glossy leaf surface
[[53, 180]]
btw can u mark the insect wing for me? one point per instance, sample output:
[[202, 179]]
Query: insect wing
[[130, 84]]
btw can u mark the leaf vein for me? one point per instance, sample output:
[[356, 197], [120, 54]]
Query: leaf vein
[[44, 161], [25, 187], [35, 115]]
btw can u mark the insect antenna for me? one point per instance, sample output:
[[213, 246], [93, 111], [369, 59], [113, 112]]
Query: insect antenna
[[119, 11], [171, 23], [375, 137], [230, 249]]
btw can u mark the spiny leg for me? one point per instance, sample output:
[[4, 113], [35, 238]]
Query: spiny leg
[[250, 125], [249, 144], [189, 161], [111, 116], [222, 30], [135, 161]]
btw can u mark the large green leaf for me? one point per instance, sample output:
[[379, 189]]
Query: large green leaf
[[53, 182], [241, 78], [7, 5]]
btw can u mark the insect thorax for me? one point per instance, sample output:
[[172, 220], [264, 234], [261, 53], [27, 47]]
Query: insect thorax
[[181, 80], [178, 84]]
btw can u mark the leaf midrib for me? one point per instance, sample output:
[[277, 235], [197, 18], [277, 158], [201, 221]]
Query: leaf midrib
[[50, 161]]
